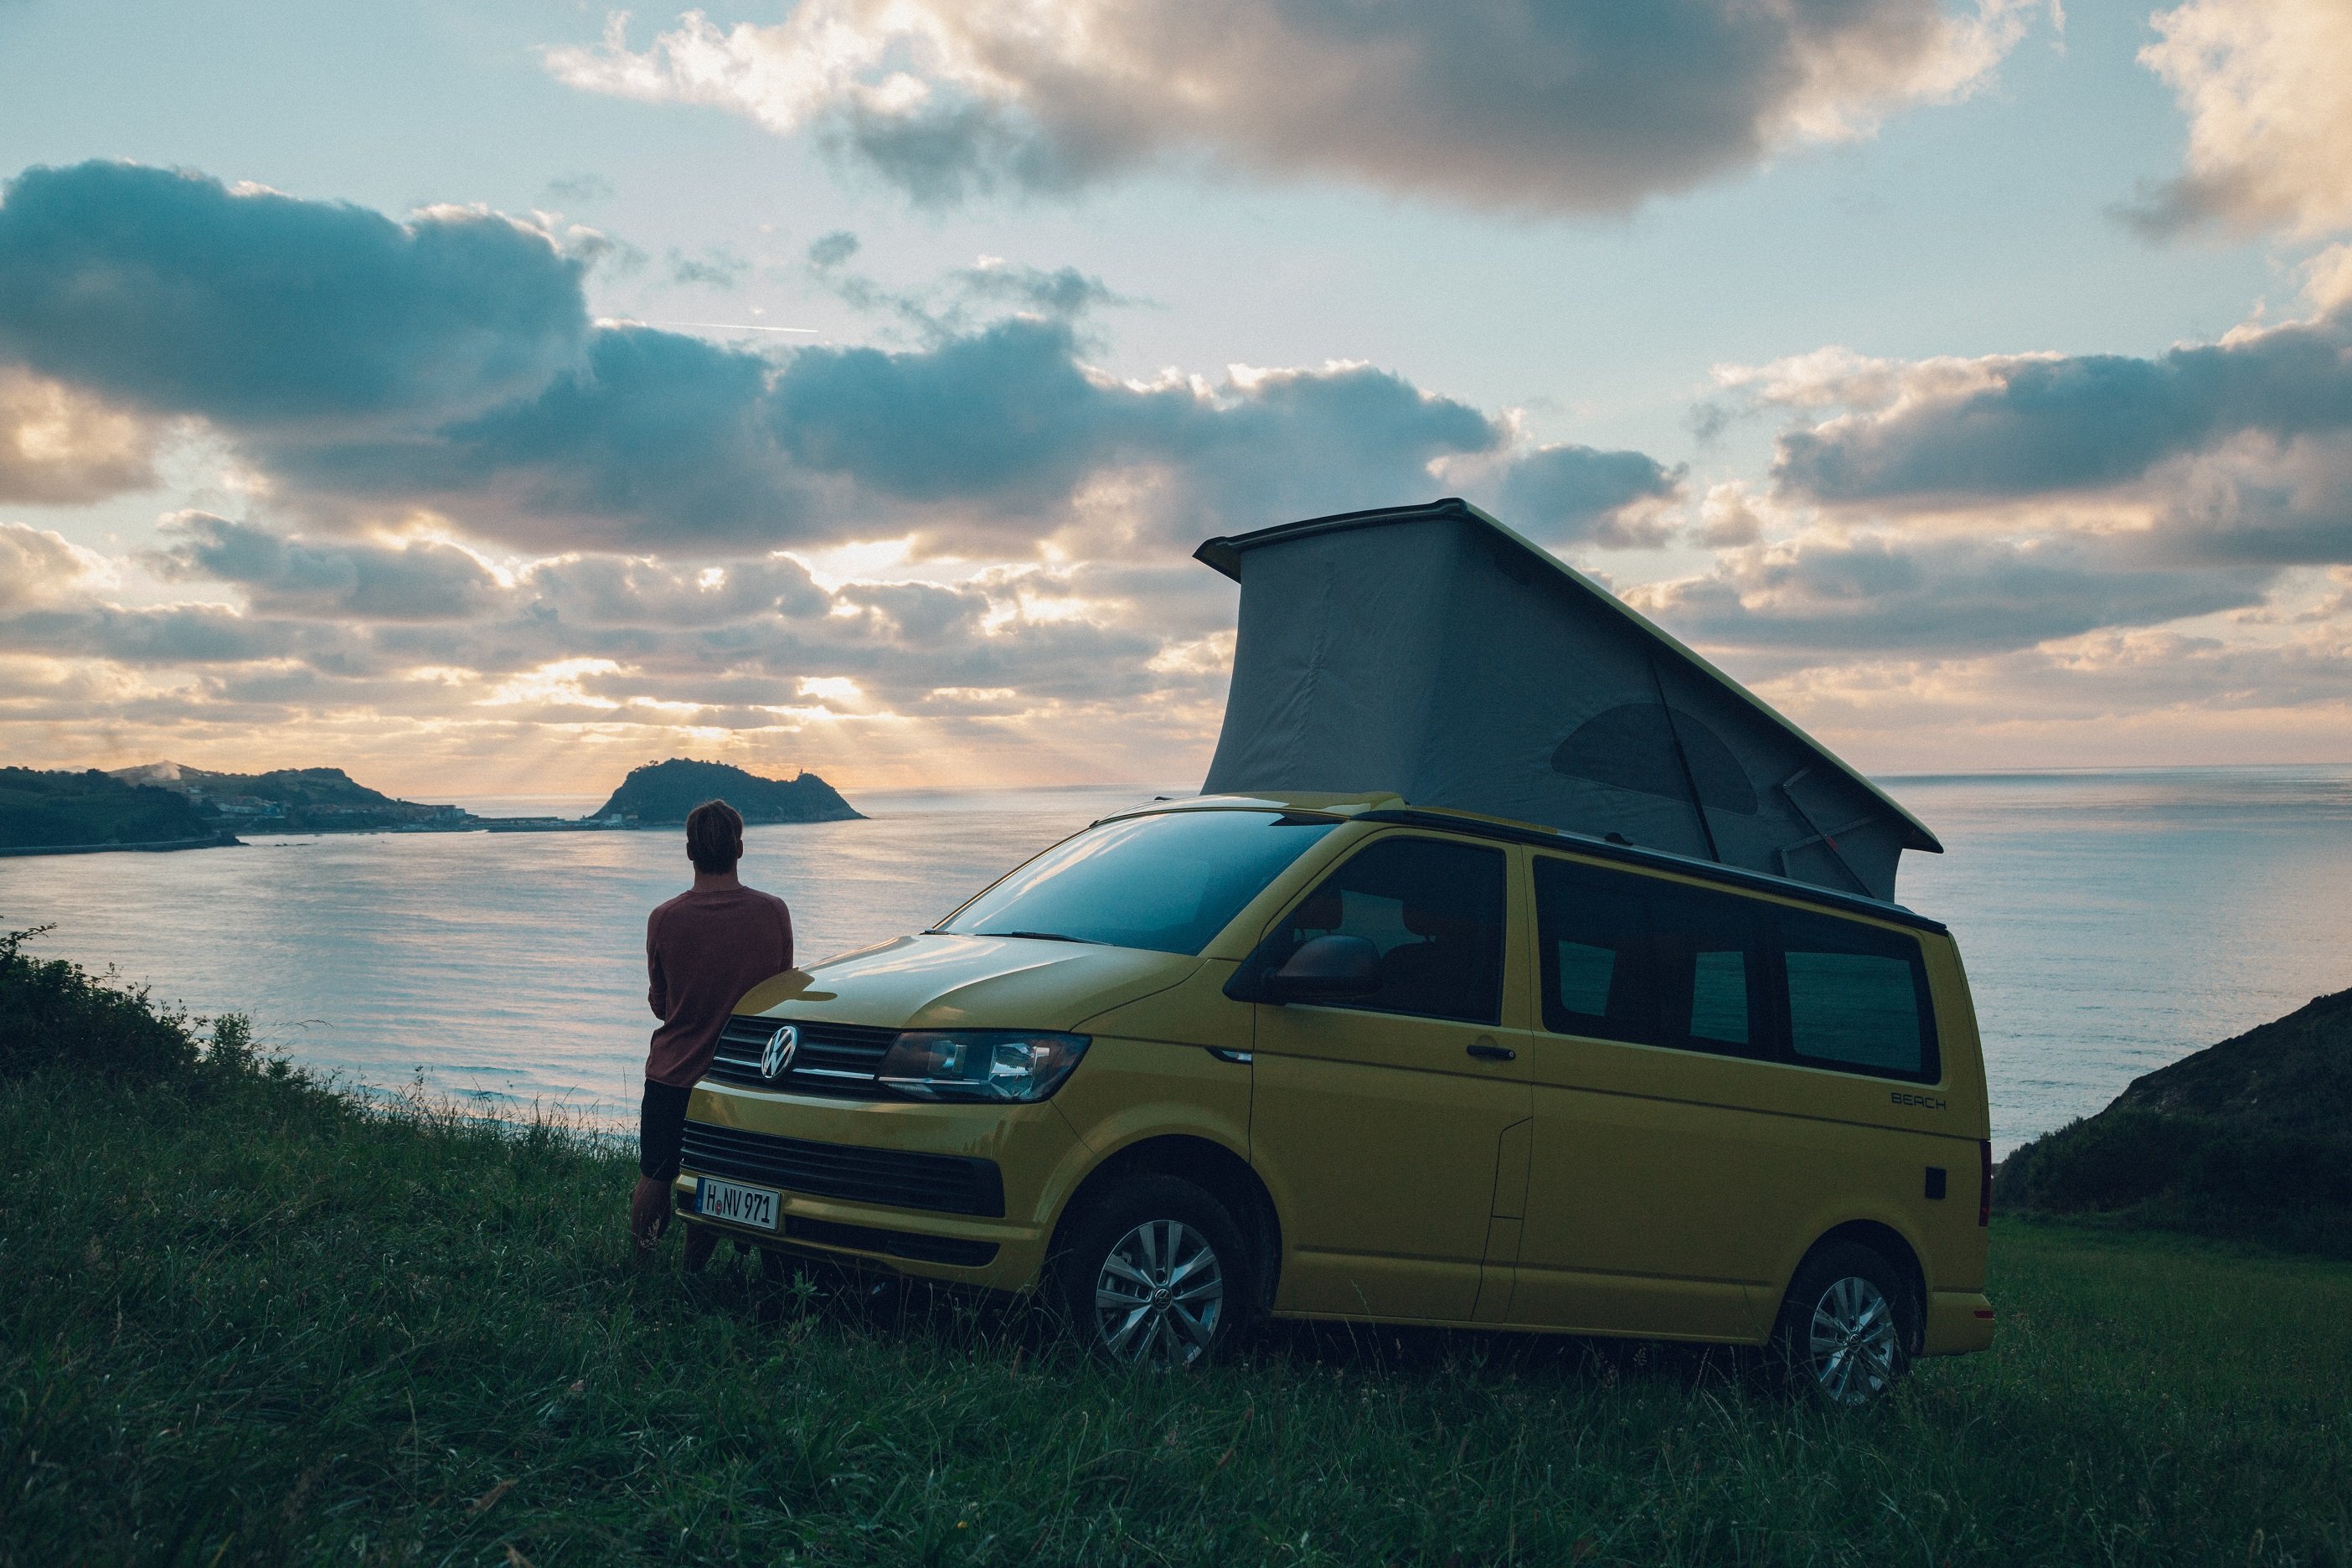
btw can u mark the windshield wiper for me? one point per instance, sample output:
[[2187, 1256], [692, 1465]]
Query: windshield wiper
[[1042, 936]]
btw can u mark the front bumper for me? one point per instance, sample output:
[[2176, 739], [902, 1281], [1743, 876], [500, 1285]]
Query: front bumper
[[1034, 1156]]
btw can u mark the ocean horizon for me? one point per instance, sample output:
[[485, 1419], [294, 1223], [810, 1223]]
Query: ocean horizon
[[2112, 921]]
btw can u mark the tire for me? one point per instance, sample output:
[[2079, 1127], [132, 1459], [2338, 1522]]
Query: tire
[[1846, 1327], [1156, 1273]]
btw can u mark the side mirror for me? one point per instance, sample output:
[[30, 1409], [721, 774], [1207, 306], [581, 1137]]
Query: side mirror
[[1331, 968]]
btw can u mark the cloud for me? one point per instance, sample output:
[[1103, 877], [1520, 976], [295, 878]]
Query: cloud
[[2268, 94], [966, 297], [415, 631], [425, 581], [1825, 596], [2239, 450], [38, 567], [2105, 699], [714, 268], [371, 371], [171, 293], [1063, 291], [1729, 517], [1566, 494], [60, 445], [1580, 106], [583, 187]]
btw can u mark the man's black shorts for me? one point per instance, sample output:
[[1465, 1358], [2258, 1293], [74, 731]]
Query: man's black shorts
[[661, 1128]]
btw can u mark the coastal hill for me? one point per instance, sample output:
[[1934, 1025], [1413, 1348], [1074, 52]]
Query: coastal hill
[[2250, 1139], [50, 811], [665, 791], [292, 800]]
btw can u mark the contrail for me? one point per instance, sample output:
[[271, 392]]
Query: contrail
[[715, 326]]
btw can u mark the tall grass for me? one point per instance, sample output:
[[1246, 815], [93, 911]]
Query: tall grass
[[243, 1319]]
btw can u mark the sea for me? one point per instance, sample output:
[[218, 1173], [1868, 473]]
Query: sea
[[2111, 922]]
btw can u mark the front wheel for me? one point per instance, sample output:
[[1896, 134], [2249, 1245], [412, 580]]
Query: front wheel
[[1156, 1274], [1845, 1331]]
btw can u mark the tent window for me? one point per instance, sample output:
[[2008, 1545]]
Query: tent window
[[1630, 747]]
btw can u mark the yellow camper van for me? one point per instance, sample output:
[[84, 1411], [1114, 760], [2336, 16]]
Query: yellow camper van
[[1616, 1059], [1325, 1058]]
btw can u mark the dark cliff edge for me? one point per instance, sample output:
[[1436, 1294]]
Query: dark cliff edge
[[2249, 1140], [662, 793]]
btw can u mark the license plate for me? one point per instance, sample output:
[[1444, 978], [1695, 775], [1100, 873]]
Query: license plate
[[735, 1203]]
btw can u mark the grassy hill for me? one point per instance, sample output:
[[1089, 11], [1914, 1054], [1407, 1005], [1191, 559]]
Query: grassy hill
[[666, 792], [250, 1321], [43, 810], [2250, 1138], [292, 800]]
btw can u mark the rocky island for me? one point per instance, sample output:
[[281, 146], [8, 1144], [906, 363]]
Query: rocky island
[[659, 793]]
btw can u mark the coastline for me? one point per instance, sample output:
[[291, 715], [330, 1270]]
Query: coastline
[[162, 846]]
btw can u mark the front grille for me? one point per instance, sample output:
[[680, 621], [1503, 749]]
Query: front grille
[[949, 1183], [835, 1059]]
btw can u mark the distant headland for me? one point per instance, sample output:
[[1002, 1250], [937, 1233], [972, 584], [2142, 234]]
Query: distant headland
[[659, 794], [170, 805], [663, 792]]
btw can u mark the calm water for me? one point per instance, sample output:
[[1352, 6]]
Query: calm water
[[2112, 922]]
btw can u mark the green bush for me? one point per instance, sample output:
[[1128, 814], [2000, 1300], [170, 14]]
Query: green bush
[[2189, 1173], [54, 1013]]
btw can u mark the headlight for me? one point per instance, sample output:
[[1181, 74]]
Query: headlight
[[980, 1064]]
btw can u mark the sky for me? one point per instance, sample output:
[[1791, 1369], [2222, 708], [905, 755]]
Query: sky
[[488, 399]]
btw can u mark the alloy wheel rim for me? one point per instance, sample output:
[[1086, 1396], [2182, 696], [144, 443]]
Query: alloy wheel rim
[[1160, 1295], [1853, 1341]]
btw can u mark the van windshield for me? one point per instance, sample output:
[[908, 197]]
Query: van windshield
[[1168, 882]]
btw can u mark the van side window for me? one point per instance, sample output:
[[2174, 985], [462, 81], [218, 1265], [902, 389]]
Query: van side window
[[1857, 996], [1594, 927], [1652, 962], [1434, 908], [1710, 974]]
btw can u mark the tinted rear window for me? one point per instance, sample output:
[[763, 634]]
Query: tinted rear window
[[1649, 961], [1857, 996], [1657, 964], [1168, 882]]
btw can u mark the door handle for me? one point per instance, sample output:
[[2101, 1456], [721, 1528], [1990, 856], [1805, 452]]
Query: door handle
[[1489, 1051]]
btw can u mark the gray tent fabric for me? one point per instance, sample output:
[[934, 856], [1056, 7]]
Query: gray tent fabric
[[1431, 651]]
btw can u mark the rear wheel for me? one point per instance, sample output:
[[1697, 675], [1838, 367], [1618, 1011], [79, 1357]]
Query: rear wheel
[[1845, 1331], [1156, 1273]]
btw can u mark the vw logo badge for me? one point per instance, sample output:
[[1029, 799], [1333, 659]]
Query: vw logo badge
[[777, 1059]]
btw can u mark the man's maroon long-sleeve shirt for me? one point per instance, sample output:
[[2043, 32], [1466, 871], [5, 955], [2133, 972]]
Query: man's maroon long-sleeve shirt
[[703, 951]]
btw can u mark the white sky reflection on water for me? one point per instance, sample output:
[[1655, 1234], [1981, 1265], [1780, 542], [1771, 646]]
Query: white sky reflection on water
[[2111, 922]]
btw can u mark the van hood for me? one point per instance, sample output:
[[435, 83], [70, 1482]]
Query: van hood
[[939, 982]]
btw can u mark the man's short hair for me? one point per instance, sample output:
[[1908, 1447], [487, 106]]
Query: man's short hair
[[714, 836]]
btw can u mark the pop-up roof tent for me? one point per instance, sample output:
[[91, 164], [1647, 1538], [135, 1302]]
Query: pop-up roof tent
[[1431, 651]]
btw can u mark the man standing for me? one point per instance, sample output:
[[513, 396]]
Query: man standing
[[704, 949]]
